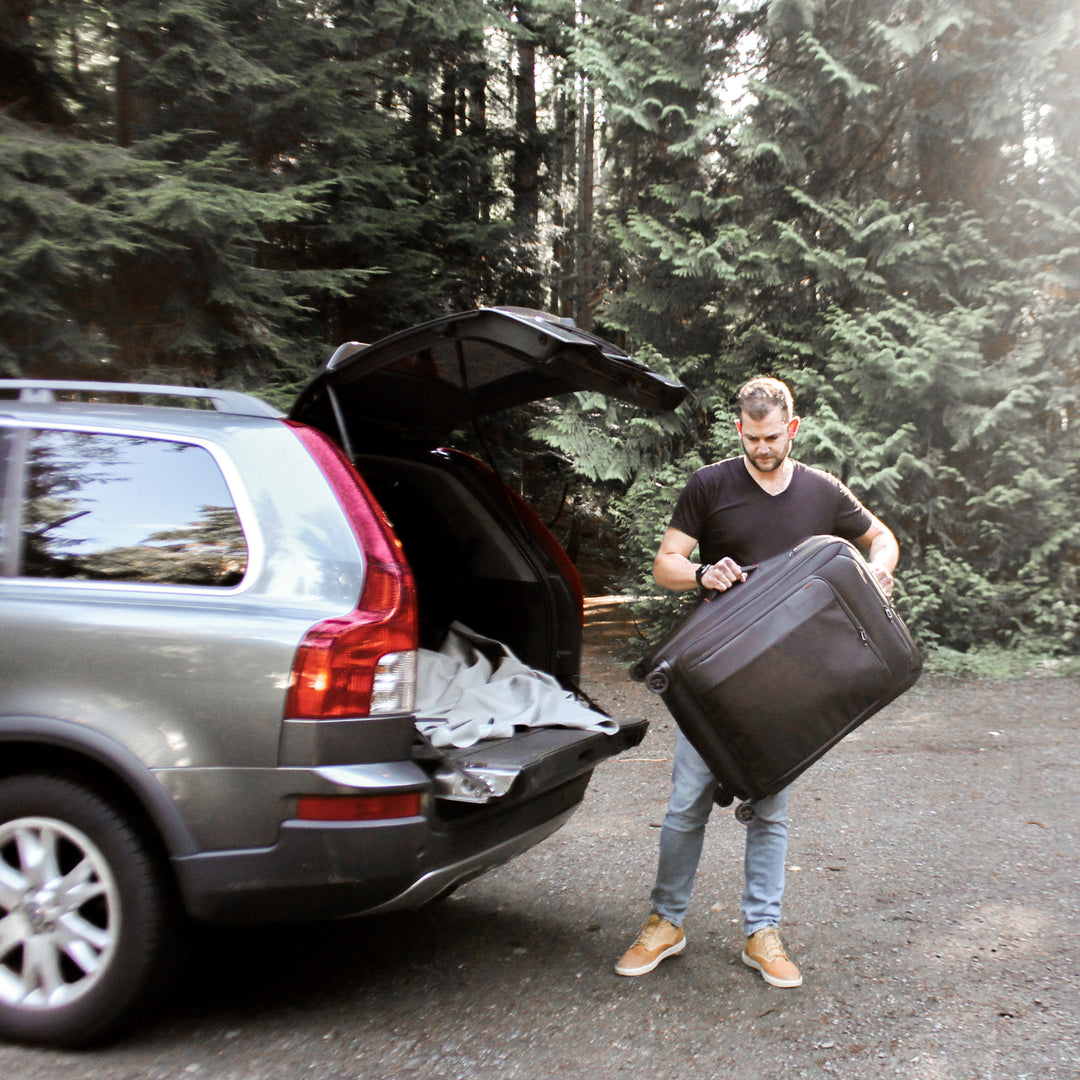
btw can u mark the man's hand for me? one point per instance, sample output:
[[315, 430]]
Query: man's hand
[[884, 578], [722, 575], [673, 569]]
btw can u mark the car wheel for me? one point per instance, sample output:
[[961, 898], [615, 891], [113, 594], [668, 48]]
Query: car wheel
[[86, 913]]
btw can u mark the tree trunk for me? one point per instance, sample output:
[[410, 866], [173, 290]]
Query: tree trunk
[[528, 153], [586, 286], [527, 149]]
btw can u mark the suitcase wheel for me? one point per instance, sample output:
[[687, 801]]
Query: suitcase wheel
[[638, 670], [657, 682], [744, 812], [722, 796]]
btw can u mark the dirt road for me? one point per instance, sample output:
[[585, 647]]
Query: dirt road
[[934, 886], [932, 906]]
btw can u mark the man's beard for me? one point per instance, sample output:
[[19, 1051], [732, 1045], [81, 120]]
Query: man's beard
[[771, 462]]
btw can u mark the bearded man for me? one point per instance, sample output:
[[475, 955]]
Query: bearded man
[[738, 512]]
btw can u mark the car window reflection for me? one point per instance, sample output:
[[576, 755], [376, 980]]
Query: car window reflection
[[116, 508]]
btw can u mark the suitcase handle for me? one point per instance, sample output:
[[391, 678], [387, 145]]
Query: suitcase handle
[[710, 594], [657, 680]]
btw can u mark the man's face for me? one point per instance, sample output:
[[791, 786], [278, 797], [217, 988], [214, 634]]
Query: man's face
[[767, 441]]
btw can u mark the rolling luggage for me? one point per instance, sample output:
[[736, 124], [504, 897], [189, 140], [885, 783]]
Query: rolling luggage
[[767, 676]]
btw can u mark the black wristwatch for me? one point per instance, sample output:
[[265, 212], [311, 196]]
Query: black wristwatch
[[701, 571]]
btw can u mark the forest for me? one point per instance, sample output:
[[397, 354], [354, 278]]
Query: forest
[[875, 200]]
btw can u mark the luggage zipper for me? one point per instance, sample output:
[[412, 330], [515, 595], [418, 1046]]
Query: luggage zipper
[[857, 625]]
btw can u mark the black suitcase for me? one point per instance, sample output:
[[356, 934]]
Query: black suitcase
[[768, 675]]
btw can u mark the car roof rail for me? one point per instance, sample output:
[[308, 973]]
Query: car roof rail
[[112, 393]]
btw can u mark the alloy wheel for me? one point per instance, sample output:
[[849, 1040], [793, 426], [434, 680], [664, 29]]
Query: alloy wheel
[[59, 913]]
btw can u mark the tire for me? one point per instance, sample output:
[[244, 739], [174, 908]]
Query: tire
[[87, 914]]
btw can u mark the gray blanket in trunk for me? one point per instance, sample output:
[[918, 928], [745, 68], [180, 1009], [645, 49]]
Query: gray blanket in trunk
[[475, 688]]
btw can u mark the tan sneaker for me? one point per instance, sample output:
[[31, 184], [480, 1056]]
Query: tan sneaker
[[658, 938], [765, 952]]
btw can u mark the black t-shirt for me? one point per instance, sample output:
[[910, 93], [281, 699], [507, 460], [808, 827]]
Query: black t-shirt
[[730, 514]]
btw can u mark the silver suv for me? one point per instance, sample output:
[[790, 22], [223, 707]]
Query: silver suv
[[210, 642]]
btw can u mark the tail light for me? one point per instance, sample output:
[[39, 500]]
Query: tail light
[[362, 663]]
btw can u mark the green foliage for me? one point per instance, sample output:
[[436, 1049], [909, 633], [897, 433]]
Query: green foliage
[[876, 202], [1026, 658], [235, 185], [914, 312]]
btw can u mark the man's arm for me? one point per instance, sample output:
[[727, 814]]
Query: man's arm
[[673, 569], [882, 552]]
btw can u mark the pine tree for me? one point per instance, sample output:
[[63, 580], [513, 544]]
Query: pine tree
[[875, 200], [885, 266], [218, 190]]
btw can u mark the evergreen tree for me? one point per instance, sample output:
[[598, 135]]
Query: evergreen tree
[[216, 191], [885, 268], [136, 228], [658, 71], [875, 200]]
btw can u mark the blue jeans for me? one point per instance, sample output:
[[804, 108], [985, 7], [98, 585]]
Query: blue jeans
[[683, 833]]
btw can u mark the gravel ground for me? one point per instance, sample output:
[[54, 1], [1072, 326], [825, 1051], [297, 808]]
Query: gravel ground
[[932, 906]]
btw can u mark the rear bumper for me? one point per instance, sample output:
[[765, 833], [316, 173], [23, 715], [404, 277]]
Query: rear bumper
[[333, 870], [330, 870]]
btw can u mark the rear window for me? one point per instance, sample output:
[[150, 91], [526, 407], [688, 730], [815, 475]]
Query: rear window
[[97, 507]]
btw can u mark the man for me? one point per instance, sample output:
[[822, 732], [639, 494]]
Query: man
[[737, 512]]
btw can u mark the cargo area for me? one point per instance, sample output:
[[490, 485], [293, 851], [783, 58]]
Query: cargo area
[[476, 562]]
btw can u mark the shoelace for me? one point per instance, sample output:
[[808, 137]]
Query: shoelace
[[771, 946], [649, 934]]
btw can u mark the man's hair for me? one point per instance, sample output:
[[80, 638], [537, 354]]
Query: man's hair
[[761, 395]]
